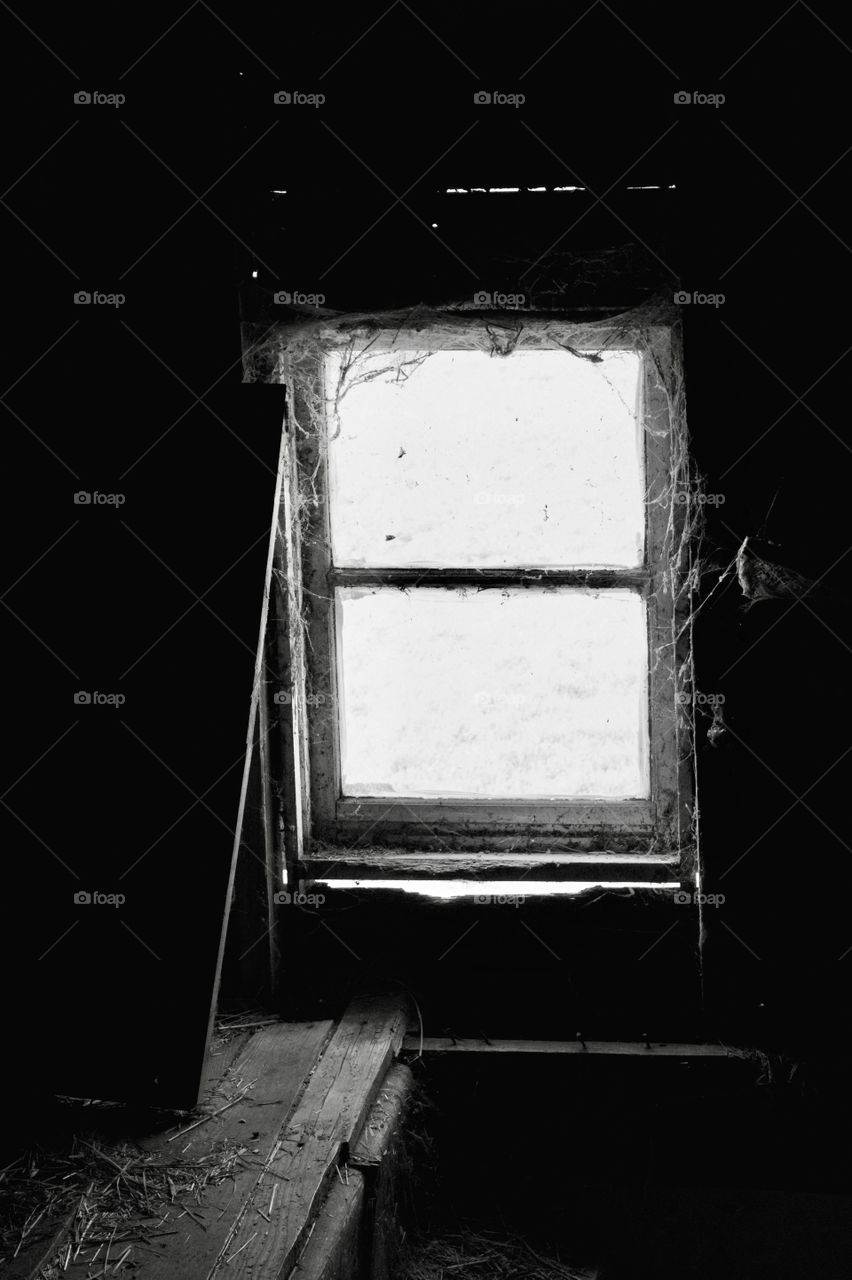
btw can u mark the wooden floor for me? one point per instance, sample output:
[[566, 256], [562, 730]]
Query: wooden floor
[[293, 1099]]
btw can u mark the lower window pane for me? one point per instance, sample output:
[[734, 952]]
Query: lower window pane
[[521, 693]]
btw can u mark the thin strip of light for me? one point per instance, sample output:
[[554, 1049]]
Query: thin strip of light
[[496, 889]]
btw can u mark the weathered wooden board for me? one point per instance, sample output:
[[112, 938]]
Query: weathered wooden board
[[275, 1064], [637, 1048], [382, 1154], [384, 1118], [334, 1250], [328, 1118], [33, 1258], [219, 1061], [491, 865]]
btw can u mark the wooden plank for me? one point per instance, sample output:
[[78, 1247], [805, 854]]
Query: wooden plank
[[622, 1048], [483, 579], [275, 1064], [385, 1115], [328, 1118], [33, 1258], [333, 1251], [332, 864], [501, 815], [219, 1061], [53, 1232], [381, 1152]]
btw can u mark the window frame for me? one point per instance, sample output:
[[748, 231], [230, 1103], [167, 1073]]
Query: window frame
[[382, 837]]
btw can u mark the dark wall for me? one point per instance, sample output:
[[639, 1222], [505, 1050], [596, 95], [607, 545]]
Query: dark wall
[[120, 996], [157, 600]]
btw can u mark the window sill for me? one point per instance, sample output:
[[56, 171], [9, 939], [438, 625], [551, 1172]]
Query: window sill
[[334, 863]]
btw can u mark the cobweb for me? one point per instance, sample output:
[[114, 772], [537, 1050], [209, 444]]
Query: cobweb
[[384, 344]]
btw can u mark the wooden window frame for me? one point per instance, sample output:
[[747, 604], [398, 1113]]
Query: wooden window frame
[[328, 835]]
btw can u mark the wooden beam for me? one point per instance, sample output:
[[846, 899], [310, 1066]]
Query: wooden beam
[[386, 1161], [328, 1118], [333, 1251], [481, 579], [616, 1048], [501, 817], [272, 1070], [385, 1116], [393, 864]]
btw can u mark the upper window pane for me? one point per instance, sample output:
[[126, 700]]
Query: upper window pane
[[465, 460]]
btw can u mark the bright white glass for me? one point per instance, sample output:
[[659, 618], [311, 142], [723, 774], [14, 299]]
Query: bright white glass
[[516, 694], [466, 459]]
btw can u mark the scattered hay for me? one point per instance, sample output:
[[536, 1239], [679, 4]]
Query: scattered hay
[[94, 1194], [486, 1256], [103, 1202]]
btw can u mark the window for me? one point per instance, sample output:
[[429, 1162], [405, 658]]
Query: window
[[488, 677]]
